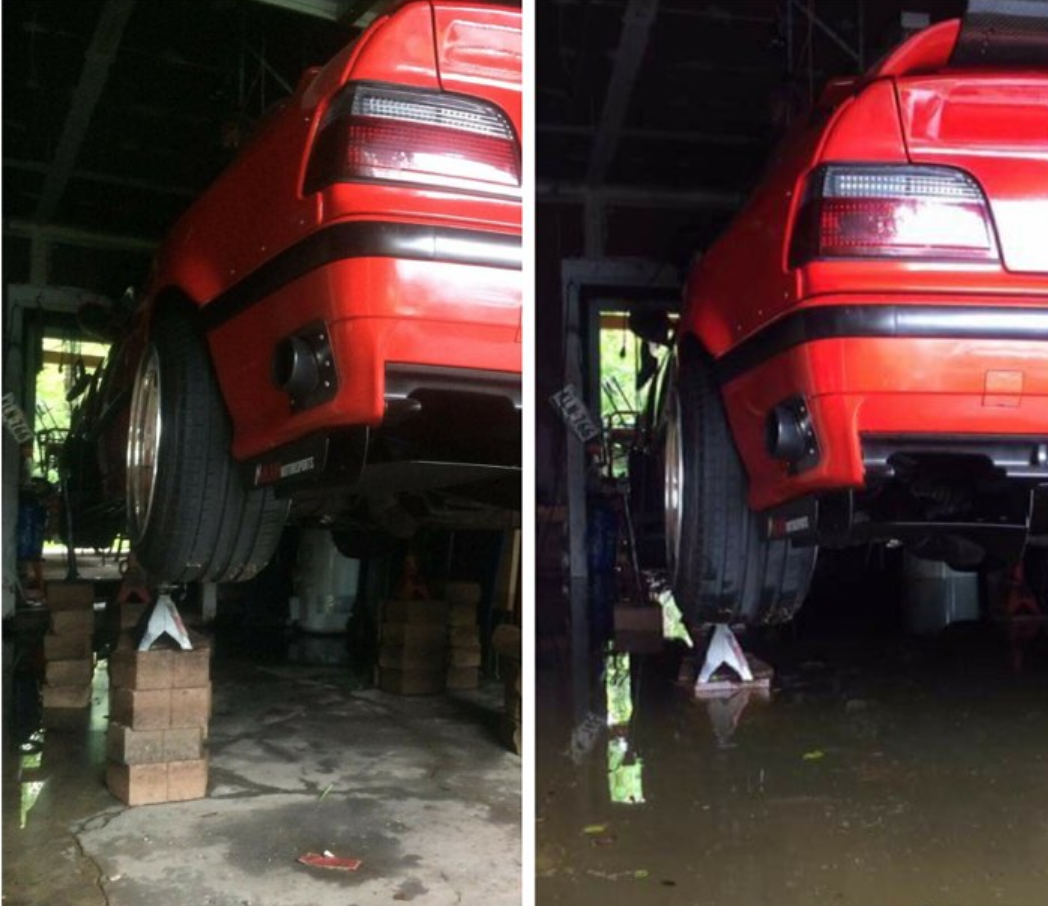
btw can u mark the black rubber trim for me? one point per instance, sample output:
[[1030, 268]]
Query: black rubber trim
[[403, 380], [364, 239], [830, 322]]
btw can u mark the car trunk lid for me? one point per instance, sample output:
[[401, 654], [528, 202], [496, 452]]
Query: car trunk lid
[[994, 125], [479, 52]]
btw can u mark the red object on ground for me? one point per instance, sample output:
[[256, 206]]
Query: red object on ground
[[322, 860]]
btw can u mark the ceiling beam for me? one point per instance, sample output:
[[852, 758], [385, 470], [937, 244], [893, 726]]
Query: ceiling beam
[[108, 179], [357, 13], [63, 299], [641, 197], [81, 238], [657, 135], [821, 24], [97, 59], [636, 27]]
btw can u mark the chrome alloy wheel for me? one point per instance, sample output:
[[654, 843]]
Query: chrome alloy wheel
[[673, 480], [143, 442]]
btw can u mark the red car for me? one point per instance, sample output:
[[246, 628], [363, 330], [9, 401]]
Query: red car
[[332, 332], [863, 355]]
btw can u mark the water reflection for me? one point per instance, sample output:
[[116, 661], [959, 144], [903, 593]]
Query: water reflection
[[30, 780], [625, 766]]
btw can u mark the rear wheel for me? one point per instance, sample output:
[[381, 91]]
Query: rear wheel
[[723, 567], [189, 514]]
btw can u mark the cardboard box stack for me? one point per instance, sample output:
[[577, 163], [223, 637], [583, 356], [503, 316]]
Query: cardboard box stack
[[463, 599], [68, 650], [507, 643], [412, 655], [159, 708]]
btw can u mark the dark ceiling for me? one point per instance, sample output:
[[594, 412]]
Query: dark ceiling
[[715, 82], [117, 113]]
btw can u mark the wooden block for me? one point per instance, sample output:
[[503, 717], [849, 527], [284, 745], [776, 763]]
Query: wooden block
[[183, 744], [639, 642], [462, 594], [507, 641], [462, 615], [67, 647], [140, 709], [416, 637], [464, 637], [410, 682], [464, 657], [70, 596], [186, 780], [127, 746], [73, 622], [415, 612], [191, 707], [138, 784], [67, 696], [411, 659], [73, 672], [463, 678], [639, 619], [129, 669], [65, 718], [190, 668]]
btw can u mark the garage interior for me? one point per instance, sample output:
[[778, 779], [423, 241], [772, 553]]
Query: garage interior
[[898, 752], [117, 114]]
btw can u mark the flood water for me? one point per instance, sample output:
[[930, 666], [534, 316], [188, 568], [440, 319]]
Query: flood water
[[882, 771]]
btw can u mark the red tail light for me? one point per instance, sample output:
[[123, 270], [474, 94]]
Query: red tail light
[[856, 211], [387, 133]]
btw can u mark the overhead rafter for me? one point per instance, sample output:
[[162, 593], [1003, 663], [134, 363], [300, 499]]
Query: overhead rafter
[[820, 23], [97, 59], [357, 13], [108, 179], [81, 238], [690, 137], [636, 27]]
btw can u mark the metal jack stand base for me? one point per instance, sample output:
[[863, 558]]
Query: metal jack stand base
[[165, 619], [727, 698]]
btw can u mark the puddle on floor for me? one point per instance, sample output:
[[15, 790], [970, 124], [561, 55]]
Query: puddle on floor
[[884, 773]]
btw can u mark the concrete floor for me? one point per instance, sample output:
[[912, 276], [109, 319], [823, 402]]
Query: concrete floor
[[882, 771], [419, 789]]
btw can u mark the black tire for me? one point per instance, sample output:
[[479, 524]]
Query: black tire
[[724, 569], [200, 521]]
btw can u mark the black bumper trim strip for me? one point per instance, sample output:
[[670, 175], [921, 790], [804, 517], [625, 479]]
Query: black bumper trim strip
[[832, 322], [364, 239]]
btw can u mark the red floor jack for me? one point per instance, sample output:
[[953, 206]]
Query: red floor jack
[[1021, 614]]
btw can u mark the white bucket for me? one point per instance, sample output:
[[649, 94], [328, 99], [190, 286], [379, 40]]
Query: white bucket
[[325, 584]]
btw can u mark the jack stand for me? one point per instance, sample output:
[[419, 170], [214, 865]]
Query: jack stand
[[724, 651], [165, 619], [135, 583], [727, 698]]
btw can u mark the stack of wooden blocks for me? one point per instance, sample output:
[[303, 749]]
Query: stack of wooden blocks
[[68, 650], [159, 707], [412, 652], [463, 599], [507, 644]]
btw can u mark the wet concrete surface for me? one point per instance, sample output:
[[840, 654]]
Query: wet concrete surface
[[302, 760], [882, 772]]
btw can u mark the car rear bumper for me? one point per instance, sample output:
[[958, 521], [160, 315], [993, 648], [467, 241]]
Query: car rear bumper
[[400, 307], [934, 370]]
